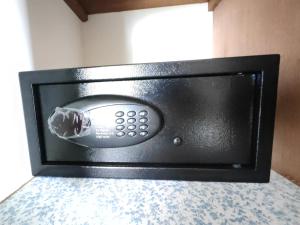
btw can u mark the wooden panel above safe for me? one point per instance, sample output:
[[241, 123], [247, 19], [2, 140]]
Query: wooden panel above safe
[[83, 8]]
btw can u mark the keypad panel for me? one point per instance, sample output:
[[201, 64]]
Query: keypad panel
[[121, 125], [134, 123]]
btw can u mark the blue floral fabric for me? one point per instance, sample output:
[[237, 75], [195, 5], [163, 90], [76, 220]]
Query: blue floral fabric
[[52, 200]]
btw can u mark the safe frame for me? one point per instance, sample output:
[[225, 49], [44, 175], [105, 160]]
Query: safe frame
[[266, 65]]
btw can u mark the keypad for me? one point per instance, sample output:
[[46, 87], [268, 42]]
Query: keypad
[[132, 123]]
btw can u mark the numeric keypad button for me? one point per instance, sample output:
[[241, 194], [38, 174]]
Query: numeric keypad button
[[131, 120], [120, 121], [143, 133], [120, 127], [144, 127], [120, 134], [131, 127], [131, 113], [143, 113], [119, 114], [143, 120], [131, 133]]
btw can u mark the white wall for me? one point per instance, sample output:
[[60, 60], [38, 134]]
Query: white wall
[[160, 34], [55, 34], [15, 55], [49, 39]]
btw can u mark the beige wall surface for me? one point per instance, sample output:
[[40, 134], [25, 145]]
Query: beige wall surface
[[252, 27], [55, 33], [150, 35], [15, 55], [36, 34]]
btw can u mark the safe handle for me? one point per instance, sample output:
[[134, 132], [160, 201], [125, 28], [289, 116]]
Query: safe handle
[[69, 123]]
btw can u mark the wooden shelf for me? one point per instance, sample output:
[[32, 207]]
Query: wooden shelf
[[83, 8]]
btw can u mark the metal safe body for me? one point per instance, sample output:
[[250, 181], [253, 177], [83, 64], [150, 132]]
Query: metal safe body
[[214, 122]]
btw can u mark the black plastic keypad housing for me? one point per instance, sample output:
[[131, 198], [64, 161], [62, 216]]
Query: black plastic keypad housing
[[116, 121]]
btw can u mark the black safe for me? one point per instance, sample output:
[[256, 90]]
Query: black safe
[[208, 120]]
